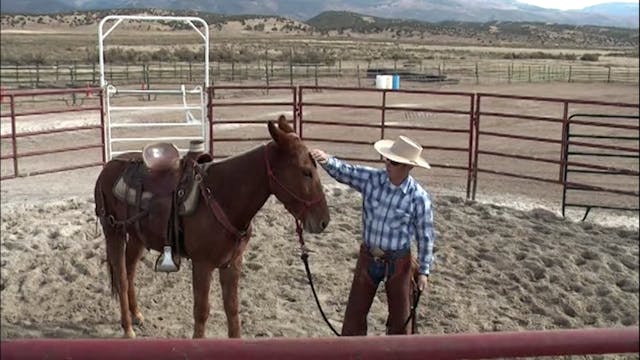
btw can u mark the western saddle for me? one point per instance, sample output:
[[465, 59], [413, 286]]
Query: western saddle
[[159, 187]]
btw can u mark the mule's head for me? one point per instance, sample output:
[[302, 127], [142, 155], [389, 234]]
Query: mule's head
[[294, 179]]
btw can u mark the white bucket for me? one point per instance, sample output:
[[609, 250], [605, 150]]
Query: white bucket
[[384, 82]]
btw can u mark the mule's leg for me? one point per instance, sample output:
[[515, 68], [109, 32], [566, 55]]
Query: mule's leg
[[201, 285], [134, 253], [116, 256], [229, 278]]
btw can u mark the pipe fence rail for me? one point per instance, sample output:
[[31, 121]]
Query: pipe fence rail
[[457, 346]]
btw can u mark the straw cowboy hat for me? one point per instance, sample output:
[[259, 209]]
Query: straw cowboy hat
[[402, 150]]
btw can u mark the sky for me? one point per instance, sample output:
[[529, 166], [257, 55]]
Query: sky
[[570, 4]]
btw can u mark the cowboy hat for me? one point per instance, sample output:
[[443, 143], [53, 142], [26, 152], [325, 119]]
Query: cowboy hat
[[402, 150]]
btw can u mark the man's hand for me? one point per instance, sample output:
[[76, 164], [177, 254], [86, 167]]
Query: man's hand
[[319, 156], [422, 282]]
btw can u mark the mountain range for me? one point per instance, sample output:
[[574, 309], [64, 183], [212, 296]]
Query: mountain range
[[607, 14]]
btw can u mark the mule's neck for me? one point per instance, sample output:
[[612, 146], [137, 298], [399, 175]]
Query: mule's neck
[[240, 184]]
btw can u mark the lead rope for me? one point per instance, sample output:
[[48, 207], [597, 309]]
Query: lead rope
[[304, 255]]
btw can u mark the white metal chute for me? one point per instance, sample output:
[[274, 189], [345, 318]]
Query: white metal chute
[[186, 105]]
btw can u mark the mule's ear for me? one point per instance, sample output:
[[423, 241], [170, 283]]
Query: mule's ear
[[284, 125], [276, 134]]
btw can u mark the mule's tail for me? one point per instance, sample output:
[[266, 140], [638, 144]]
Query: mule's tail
[[101, 213]]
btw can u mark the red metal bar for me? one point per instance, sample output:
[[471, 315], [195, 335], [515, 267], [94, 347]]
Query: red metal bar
[[518, 176], [521, 116], [599, 124], [66, 168], [431, 92], [601, 146], [522, 157], [59, 130], [53, 92], [57, 111], [14, 140], [55, 151], [574, 101], [602, 167], [476, 137], [468, 346], [252, 103], [565, 139], [521, 137], [470, 150]]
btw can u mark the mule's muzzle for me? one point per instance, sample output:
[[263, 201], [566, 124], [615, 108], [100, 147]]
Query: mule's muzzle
[[316, 224]]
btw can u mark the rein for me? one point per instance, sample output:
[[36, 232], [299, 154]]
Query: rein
[[304, 252]]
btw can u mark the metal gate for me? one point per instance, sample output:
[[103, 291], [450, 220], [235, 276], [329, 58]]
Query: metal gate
[[130, 125], [620, 145]]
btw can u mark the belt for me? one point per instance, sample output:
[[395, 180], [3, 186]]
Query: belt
[[385, 255]]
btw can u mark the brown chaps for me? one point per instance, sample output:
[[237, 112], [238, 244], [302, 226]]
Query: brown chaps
[[398, 273]]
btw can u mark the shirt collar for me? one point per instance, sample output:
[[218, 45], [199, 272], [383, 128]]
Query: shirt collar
[[404, 186]]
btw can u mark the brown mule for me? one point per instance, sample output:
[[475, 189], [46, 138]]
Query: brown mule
[[239, 186]]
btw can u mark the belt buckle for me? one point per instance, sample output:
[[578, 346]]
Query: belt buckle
[[377, 253]]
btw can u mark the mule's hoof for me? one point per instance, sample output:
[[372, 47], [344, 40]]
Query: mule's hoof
[[129, 334], [138, 319]]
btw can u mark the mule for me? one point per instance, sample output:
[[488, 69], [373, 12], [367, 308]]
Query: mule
[[238, 187]]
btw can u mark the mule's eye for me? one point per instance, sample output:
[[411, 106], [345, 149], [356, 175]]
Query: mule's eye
[[307, 173]]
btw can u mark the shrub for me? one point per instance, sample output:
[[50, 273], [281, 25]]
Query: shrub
[[590, 57]]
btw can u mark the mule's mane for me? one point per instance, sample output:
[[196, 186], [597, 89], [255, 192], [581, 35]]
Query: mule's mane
[[240, 155]]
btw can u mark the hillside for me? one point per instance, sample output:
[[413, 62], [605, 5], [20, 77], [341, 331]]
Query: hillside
[[342, 24], [609, 14]]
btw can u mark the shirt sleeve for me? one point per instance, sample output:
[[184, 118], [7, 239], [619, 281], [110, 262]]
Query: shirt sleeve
[[424, 234], [353, 175]]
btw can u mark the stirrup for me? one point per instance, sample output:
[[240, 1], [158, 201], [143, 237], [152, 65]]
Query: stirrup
[[165, 261]]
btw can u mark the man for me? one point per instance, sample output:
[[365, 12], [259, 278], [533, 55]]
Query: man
[[395, 209]]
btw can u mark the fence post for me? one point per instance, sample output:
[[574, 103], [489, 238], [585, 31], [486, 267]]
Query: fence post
[[57, 72], [477, 75], [190, 71], [290, 66], [316, 75], [358, 73], [37, 75], [266, 74], [569, 73], [609, 75], [509, 73]]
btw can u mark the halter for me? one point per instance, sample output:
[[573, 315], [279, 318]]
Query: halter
[[306, 203]]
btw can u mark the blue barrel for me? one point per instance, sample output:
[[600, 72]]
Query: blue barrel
[[396, 82]]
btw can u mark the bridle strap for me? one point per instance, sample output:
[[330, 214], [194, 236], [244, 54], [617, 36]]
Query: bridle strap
[[273, 179], [214, 205]]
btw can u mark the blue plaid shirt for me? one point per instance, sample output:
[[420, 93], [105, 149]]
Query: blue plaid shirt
[[391, 215]]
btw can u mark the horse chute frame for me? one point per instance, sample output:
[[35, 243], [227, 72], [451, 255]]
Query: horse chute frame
[[111, 91]]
